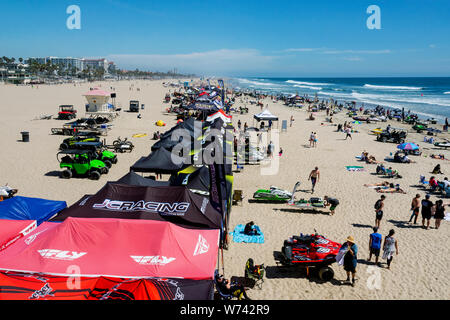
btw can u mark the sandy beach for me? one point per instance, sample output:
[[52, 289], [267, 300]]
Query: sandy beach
[[418, 272]]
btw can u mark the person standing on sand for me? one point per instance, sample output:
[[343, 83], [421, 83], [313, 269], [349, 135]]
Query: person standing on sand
[[439, 214], [314, 176], [415, 206], [311, 139], [348, 132], [379, 206], [427, 205], [315, 140], [350, 258], [292, 120], [390, 247], [375, 244]]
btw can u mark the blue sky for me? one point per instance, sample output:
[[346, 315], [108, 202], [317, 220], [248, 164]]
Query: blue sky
[[239, 38]]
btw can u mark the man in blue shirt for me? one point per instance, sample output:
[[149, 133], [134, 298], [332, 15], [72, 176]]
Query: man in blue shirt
[[375, 244]]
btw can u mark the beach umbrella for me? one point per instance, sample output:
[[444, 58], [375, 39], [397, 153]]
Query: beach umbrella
[[408, 146]]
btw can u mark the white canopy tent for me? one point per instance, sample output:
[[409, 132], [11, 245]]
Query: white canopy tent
[[265, 115]]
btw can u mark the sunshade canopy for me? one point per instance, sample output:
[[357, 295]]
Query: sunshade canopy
[[26, 208], [175, 204], [115, 248]]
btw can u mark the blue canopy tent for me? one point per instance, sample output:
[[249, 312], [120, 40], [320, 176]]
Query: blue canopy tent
[[25, 208]]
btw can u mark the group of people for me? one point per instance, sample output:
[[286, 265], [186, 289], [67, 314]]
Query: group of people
[[429, 209], [313, 140]]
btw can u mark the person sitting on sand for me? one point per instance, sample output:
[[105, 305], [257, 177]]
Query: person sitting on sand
[[250, 229], [437, 169], [405, 159], [433, 183], [372, 160]]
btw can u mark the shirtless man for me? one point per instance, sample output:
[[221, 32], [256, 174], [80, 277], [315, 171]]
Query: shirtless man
[[415, 206], [314, 176]]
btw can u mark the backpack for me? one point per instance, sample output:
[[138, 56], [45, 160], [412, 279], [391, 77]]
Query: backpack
[[378, 205]]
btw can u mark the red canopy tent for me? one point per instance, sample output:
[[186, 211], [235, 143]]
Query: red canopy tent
[[115, 248], [13, 230]]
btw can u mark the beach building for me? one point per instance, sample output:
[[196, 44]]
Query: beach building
[[98, 100]]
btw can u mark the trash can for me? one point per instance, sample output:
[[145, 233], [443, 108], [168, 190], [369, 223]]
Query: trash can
[[25, 136]]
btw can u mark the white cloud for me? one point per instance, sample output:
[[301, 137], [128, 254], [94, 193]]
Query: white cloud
[[357, 51], [208, 62], [300, 50]]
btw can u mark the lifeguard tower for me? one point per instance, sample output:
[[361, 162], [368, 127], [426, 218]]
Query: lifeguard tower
[[98, 104]]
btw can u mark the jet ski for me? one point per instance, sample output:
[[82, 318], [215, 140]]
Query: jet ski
[[308, 251], [7, 192]]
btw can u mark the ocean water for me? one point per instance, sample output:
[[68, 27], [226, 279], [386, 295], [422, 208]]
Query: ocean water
[[426, 97]]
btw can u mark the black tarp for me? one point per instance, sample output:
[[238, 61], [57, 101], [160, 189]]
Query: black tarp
[[133, 179], [174, 204]]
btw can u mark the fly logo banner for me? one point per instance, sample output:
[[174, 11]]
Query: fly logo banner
[[152, 260], [60, 254], [202, 246]]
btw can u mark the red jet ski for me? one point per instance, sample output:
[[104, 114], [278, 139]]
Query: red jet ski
[[310, 251]]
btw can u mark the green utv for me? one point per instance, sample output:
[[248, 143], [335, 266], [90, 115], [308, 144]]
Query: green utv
[[80, 163], [99, 152], [68, 143]]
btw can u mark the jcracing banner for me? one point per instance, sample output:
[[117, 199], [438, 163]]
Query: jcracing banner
[[176, 204]]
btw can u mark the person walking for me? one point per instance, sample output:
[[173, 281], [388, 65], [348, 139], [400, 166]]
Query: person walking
[[314, 176], [350, 258], [292, 120], [415, 206], [311, 139], [315, 140], [439, 214], [270, 149], [348, 133], [427, 205], [379, 206], [390, 246], [375, 244]]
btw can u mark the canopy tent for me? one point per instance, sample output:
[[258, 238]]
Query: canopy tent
[[33, 286], [160, 160], [219, 114], [195, 178], [25, 208], [133, 179], [141, 249], [265, 115], [175, 204], [12, 230]]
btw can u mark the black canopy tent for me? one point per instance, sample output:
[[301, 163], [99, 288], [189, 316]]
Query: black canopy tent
[[160, 161], [266, 115], [176, 204], [133, 179]]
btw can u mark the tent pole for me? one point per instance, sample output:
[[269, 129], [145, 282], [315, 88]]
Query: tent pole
[[223, 265]]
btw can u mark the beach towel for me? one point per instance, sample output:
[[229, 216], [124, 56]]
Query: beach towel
[[340, 255], [354, 168], [239, 236]]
